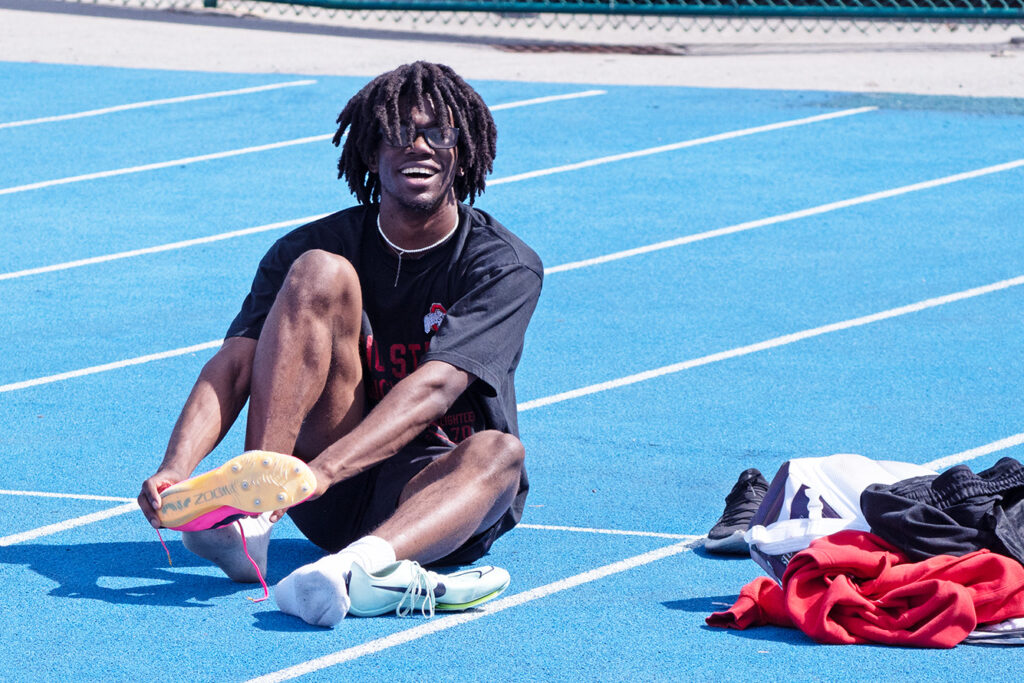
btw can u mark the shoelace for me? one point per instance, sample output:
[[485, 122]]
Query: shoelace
[[245, 549], [420, 585], [259, 574]]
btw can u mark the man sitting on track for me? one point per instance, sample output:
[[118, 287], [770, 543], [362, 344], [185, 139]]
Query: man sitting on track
[[379, 345]]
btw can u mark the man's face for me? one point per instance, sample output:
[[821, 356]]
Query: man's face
[[417, 176]]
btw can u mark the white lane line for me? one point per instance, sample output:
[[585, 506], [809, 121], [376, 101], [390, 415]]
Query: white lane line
[[548, 98], [574, 265], [72, 496], [665, 370], [155, 103], [772, 343], [569, 266], [159, 248], [217, 155], [602, 386], [68, 524], [133, 504], [682, 145], [163, 164], [613, 532], [443, 623], [110, 366], [938, 464], [964, 456], [784, 217]]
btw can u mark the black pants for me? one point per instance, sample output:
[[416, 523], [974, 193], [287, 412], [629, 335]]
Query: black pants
[[952, 513], [355, 507]]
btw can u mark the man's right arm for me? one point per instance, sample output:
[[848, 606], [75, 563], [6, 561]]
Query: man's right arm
[[215, 402]]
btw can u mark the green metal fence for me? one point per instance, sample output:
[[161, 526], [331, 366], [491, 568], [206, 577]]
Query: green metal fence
[[915, 10]]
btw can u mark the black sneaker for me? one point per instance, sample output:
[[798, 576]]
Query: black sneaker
[[726, 536]]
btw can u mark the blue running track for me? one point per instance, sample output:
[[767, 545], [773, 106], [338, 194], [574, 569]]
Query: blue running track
[[735, 278]]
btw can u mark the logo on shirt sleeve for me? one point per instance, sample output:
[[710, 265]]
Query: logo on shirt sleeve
[[432, 320]]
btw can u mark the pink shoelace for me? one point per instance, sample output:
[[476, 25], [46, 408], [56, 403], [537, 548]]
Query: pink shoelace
[[245, 549]]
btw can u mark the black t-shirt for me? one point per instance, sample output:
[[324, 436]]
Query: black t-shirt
[[466, 303]]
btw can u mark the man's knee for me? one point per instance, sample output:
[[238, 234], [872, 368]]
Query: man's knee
[[501, 454], [320, 281]]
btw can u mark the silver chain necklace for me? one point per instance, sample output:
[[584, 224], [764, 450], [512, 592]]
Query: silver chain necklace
[[402, 252]]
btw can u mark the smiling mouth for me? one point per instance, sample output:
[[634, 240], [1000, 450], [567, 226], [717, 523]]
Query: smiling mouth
[[418, 172]]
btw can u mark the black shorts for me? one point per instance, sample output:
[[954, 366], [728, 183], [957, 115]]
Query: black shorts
[[355, 507]]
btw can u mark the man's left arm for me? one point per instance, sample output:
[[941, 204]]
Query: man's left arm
[[404, 412]]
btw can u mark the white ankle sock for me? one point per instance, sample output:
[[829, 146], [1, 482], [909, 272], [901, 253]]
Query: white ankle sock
[[223, 547], [316, 592], [371, 552]]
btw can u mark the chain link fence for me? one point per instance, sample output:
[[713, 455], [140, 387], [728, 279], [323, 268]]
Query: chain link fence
[[817, 16]]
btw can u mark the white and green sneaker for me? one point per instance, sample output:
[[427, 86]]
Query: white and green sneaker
[[404, 587]]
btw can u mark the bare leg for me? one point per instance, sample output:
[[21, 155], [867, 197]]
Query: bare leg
[[455, 497], [307, 386]]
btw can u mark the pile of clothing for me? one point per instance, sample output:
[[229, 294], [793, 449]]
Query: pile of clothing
[[863, 551]]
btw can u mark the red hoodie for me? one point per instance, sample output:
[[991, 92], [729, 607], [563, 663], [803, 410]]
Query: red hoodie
[[853, 587]]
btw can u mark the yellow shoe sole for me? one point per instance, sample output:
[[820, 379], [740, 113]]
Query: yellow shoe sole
[[248, 484]]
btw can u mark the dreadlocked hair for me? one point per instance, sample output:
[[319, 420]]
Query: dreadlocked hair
[[379, 108]]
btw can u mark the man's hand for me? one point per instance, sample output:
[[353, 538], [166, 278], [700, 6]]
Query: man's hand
[[322, 484], [149, 497], [211, 409]]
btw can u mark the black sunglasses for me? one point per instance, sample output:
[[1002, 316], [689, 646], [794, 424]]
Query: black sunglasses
[[438, 137]]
